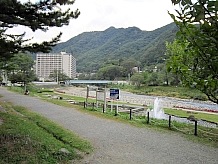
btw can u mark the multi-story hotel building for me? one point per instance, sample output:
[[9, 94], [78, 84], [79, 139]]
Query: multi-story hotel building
[[48, 63]]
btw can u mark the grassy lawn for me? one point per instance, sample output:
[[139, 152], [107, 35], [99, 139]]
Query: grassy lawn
[[26, 137], [198, 115], [208, 136], [205, 135]]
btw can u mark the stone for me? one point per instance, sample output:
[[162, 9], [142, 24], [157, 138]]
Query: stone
[[64, 151], [192, 118]]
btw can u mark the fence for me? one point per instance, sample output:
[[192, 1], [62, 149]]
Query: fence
[[194, 126], [141, 115]]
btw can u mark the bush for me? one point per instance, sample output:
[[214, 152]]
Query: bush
[[200, 97]]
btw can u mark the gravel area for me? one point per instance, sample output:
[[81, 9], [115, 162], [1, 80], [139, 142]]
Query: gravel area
[[167, 102], [118, 143]]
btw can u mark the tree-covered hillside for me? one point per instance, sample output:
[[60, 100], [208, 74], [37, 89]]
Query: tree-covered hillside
[[92, 49]]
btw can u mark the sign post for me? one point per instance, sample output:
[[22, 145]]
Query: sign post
[[87, 95], [114, 95], [105, 101]]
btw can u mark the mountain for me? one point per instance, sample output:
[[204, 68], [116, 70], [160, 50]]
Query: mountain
[[92, 49]]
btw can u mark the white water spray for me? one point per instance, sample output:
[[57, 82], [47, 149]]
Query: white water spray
[[157, 112]]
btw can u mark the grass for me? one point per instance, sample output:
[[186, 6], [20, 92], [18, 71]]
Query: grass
[[198, 115], [26, 137], [208, 136], [168, 91], [205, 135], [180, 113]]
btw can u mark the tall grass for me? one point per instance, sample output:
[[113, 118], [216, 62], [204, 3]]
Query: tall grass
[[26, 137]]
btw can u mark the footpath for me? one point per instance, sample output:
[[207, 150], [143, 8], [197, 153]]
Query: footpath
[[118, 143]]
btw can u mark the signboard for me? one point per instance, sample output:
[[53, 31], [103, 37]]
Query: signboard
[[114, 94], [100, 95]]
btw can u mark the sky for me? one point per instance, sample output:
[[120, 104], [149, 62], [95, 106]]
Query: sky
[[98, 15]]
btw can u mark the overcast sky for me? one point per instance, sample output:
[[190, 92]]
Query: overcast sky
[[98, 15]]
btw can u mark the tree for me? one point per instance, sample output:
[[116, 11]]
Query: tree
[[178, 61], [35, 16], [1, 79], [137, 79], [197, 64], [110, 72], [19, 68], [153, 79], [128, 64], [58, 74], [145, 77]]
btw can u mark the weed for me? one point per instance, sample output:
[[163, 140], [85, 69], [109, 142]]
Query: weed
[[26, 137]]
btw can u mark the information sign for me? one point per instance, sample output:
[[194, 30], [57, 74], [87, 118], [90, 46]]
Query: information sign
[[114, 94]]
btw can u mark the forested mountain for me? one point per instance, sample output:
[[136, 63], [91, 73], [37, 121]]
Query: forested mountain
[[92, 49]]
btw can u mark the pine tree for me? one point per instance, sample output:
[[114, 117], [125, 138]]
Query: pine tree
[[36, 16]]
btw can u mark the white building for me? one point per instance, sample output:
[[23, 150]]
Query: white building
[[48, 63]]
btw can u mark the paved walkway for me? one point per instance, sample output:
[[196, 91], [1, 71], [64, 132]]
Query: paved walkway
[[118, 143]]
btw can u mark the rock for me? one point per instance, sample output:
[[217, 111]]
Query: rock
[[192, 118], [64, 151]]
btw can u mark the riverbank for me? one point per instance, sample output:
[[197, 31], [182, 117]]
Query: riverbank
[[116, 142], [128, 97]]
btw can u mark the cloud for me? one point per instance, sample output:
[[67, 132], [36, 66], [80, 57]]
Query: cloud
[[97, 15]]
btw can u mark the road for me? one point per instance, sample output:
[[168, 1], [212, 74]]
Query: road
[[116, 142]]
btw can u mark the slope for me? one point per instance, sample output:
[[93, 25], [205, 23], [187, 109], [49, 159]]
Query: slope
[[92, 49]]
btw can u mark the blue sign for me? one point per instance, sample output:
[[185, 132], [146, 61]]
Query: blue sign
[[114, 94]]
